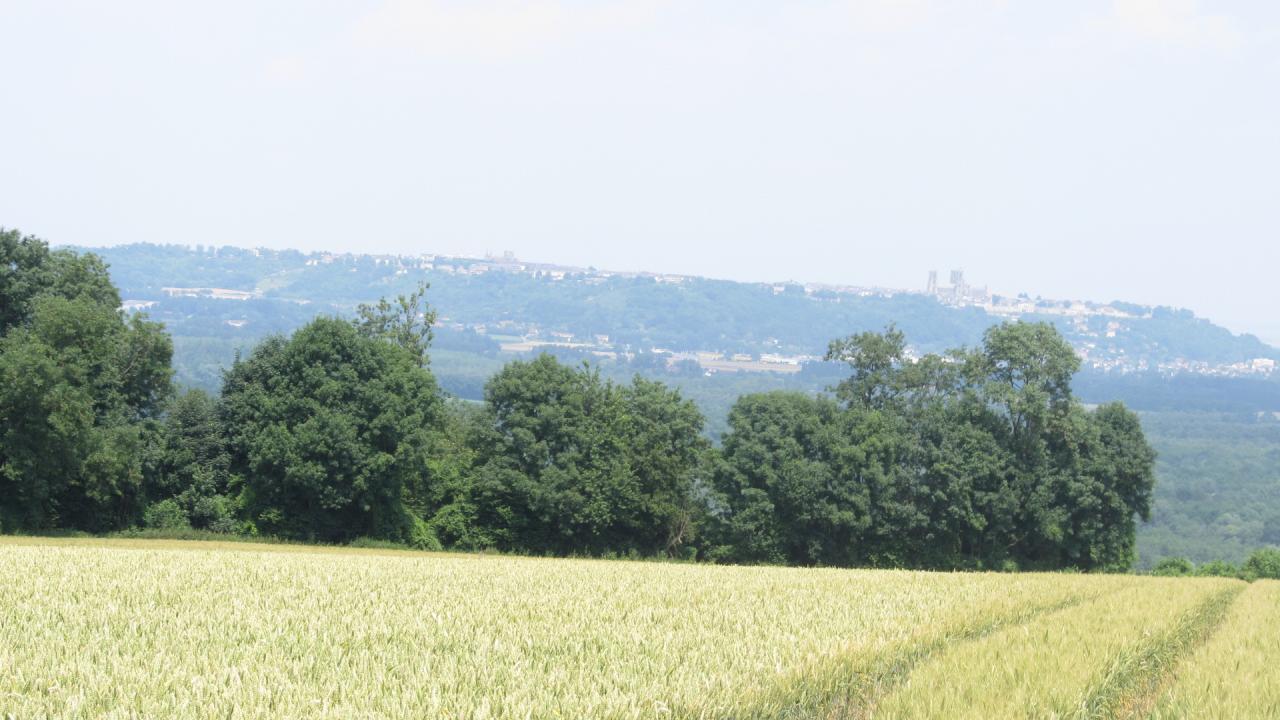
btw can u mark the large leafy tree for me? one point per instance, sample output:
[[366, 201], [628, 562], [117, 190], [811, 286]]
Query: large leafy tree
[[1080, 477], [81, 384], [569, 462], [553, 473], [1084, 509], [666, 450], [796, 489], [327, 429], [976, 458], [190, 463], [443, 496], [29, 270]]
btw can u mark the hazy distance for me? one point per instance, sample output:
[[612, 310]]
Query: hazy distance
[[1101, 150]]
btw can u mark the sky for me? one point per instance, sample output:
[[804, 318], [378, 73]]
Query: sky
[[1093, 149]]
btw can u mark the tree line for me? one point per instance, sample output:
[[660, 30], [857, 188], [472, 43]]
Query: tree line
[[1263, 563], [975, 458]]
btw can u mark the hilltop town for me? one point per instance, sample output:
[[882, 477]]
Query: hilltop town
[[1102, 333]]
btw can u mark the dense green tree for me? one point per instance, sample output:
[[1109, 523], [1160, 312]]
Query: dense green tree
[[443, 496], [327, 429], [791, 483], [1218, 568], [80, 387], [1119, 466], [1264, 563], [960, 483], [552, 474], [190, 464], [1173, 567], [976, 458], [569, 462], [876, 361], [30, 270], [667, 452], [1080, 478]]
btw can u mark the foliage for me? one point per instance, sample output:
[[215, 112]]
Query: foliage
[[80, 388], [1264, 563], [190, 463], [1212, 501], [975, 458], [407, 322], [568, 462], [1218, 568], [1218, 476], [165, 515], [326, 429], [29, 270], [787, 499], [1173, 567]]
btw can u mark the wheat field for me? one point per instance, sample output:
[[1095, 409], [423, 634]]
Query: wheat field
[[167, 629]]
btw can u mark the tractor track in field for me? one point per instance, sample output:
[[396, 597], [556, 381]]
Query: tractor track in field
[[858, 696], [1132, 683], [900, 667]]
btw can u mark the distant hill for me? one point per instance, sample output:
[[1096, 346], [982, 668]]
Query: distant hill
[[235, 294]]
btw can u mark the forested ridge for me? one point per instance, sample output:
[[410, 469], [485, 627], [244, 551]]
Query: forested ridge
[[977, 458], [287, 288]]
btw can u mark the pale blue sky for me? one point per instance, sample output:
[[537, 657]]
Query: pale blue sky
[[1093, 149]]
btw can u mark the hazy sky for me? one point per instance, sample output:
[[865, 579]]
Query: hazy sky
[[1084, 149]]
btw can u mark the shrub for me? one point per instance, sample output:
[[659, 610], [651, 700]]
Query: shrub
[[1264, 563], [165, 515], [422, 537], [1173, 567], [1218, 568], [369, 543], [214, 513]]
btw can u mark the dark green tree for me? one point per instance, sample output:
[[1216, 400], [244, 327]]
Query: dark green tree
[[876, 361], [959, 480], [190, 464], [795, 490], [327, 429], [30, 270], [975, 458], [667, 453], [80, 387], [1264, 563], [444, 495], [568, 462], [1026, 371], [1081, 478], [1173, 567], [553, 473]]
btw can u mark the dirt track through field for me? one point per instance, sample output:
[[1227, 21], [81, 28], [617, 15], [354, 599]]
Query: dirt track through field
[[1130, 686], [865, 683]]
